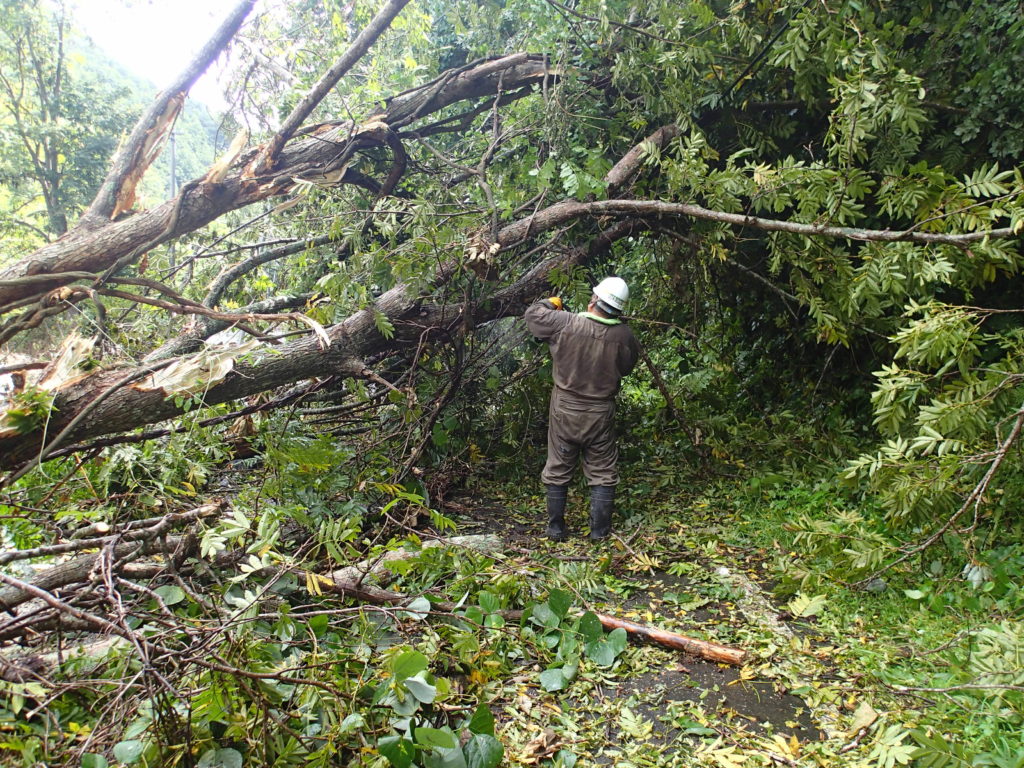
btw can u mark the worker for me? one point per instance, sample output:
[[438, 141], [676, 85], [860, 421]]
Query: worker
[[591, 352]]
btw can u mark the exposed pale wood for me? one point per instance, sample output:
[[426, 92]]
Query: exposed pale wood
[[702, 648], [130, 160]]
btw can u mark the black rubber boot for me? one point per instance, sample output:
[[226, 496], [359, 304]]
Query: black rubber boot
[[602, 500], [556, 497]]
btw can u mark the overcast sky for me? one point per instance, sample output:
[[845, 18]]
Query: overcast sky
[[156, 39]]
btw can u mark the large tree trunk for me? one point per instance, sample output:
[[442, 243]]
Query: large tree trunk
[[351, 341]]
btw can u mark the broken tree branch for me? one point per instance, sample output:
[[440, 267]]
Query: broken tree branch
[[131, 161], [702, 648], [158, 528], [367, 37], [320, 149]]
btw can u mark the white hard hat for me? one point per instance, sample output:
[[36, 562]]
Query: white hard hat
[[613, 291]]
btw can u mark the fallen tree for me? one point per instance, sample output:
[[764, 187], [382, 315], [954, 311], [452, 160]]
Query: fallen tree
[[770, 180]]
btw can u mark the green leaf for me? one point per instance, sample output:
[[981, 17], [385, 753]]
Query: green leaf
[[569, 645], [914, 594], [418, 608], [559, 601], [544, 616], [590, 627], [128, 752], [605, 650], [220, 758], [408, 664], [601, 653], [171, 594], [351, 724], [439, 435], [482, 721], [483, 751], [384, 325], [397, 750], [92, 760], [618, 639], [434, 737], [804, 606], [418, 686], [444, 758], [693, 728], [489, 602], [318, 624], [553, 679]]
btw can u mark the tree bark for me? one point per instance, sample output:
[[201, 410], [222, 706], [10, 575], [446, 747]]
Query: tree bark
[[702, 648]]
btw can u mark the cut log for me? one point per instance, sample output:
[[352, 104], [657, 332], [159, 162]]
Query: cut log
[[702, 648]]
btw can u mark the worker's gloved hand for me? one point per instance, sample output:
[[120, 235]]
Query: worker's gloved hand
[[555, 302]]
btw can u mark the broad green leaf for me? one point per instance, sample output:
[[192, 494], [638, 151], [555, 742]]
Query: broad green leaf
[[553, 679], [444, 758], [569, 645], [483, 751], [171, 594], [351, 724], [397, 750], [220, 758], [434, 737], [559, 601], [92, 760], [489, 602], [418, 608], [601, 653], [544, 616], [618, 640], [482, 720], [408, 664], [318, 624], [128, 752], [590, 627], [418, 686]]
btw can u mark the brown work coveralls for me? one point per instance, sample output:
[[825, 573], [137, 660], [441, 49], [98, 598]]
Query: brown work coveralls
[[590, 356]]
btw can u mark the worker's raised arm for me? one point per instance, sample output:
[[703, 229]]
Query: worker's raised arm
[[545, 318], [628, 355]]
